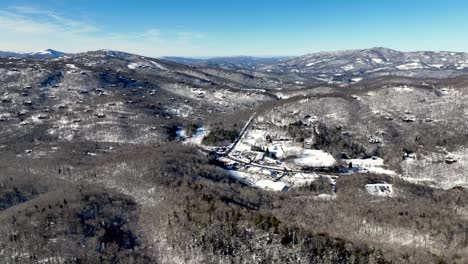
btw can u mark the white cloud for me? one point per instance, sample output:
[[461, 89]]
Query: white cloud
[[27, 28]]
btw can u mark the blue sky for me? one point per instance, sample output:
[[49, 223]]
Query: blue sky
[[238, 27]]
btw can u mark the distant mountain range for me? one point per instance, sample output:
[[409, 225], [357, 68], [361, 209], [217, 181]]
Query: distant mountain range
[[42, 54], [354, 65], [347, 66], [229, 63]]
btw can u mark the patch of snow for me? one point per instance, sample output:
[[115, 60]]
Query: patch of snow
[[312, 63], [315, 158], [196, 138], [410, 66], [404, 89], [133, 65], [380, 189], [348, 67], [374, 70], [371, 162], [438, 66], [158, 65], [42, 52], [271, 185], [300, 179], [325, 197], [377, 60], [373, 165]]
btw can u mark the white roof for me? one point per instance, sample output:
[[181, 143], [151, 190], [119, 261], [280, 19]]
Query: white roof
[[271, 185]]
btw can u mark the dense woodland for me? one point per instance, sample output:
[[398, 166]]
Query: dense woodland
[[168, 204]]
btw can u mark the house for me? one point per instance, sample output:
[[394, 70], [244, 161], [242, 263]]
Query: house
[[261, 127], [450, 160], [256, 148], [409, 119]]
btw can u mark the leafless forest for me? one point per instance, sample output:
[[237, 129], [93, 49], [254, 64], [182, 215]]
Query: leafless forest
[[110, 157]]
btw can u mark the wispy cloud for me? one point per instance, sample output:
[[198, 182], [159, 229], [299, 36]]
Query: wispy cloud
[[27, 28], [52, 19]]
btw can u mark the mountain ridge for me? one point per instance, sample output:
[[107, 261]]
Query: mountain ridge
[[41, 54]]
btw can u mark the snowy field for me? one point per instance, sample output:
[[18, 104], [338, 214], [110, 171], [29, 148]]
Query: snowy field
[[373, 165], [297, 156], [263, 179], [315, 158]]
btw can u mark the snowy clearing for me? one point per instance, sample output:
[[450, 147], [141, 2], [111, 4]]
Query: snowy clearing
[[315, 158]]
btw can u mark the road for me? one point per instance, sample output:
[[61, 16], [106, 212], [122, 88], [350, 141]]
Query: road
[[241, 134]]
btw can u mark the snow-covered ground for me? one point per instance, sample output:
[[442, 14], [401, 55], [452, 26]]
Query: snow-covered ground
[[315, 158], [374, 165], [434, 170], [264, 179], [258, 180], [300, 179], [196, 138], [404, 89], [300, 157], [271, 185], [145, 64], [410, 66]]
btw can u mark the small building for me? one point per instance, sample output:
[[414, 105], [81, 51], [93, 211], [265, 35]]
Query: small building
[[409, 119], [260, 156], [450, 160], [256, 148]]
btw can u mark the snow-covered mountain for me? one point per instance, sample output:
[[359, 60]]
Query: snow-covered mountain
[[353, 65], [42, 54], [340, 67], [48, 53]]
